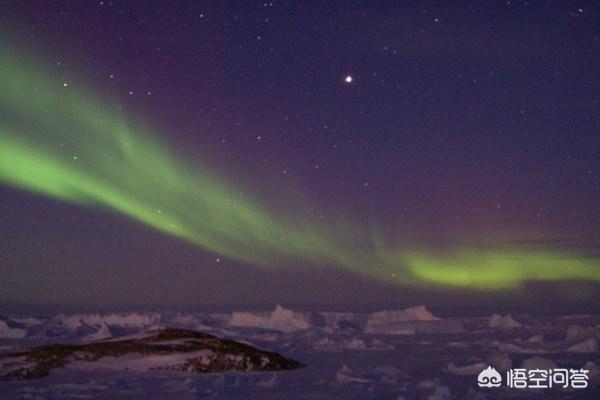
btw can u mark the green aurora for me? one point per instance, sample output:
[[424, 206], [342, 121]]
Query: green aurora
[[64, 143]]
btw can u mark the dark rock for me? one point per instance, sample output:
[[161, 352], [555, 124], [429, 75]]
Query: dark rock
[[217, 355]]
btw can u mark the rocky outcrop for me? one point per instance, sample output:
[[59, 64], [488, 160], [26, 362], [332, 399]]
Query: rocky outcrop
[[167, 349]]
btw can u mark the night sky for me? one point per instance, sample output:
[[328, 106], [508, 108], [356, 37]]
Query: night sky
[[164, 153]]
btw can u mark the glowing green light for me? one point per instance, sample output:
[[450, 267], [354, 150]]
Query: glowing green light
[[60, 141], [489, 269]]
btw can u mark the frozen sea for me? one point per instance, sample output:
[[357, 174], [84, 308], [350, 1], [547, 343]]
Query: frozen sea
[[387, 354]]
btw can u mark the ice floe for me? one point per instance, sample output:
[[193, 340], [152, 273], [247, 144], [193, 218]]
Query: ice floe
[[587, 346], [537, 362], [467, 370]]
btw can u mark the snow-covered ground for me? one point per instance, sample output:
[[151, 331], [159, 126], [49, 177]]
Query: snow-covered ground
[[388, 354]]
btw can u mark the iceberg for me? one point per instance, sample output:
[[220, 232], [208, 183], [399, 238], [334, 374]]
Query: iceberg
[[281, 319], [102, 333], [6, 332], [503, 322], [410, 321]]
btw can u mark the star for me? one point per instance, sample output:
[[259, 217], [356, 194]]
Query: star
[[348, 79]]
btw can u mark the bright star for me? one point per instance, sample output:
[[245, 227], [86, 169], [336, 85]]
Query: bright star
[[348, 79]]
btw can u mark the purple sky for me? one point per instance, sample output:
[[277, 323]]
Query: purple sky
[[463, 120]]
